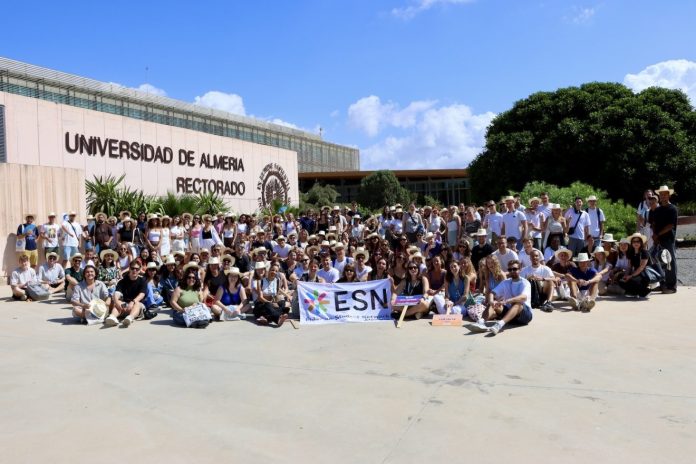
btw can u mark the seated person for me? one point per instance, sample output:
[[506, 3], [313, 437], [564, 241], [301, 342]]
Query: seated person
[[73, 275], [634, 281], [542, 279], [583, 280], [414, 284], [127, 300], [21, 277], [188, 293], [509, 302], [456, 291], [86, 291], [52, 274], [269, 302], [231, 297], [603, 267]]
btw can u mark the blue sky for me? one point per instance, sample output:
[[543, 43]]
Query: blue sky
[[412, 83]]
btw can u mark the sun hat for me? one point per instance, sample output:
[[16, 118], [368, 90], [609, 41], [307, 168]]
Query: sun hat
[[180, 253], [112, 219], [625, 240], [322, 233], [151, 265], [664, 188], [332, 236], [533, 199], [232, 271], [392, 209], [325, 243], [417, 255], [312, 250], [399, 210], [555, 206], [98, 308], [260, 265], [213, 261], [563, 251], [640, 236], [429, 235], [124, 213], [373, 235], [52, 214], [230, 258], [188, 216], [508, 198], [166, 217], [104, 253], [204, 250], [72, 213], [100, 214], [170, 260], [54, 254], [127, 219], [361, 252], [280, 237], [339, 246], [591, 198], [582, 258], [412, 250], [336, 208], [258, 250], [191, 265], [89, 217], [599, 250], [332, 229], [481, 232], [608, 238], [76, 255]]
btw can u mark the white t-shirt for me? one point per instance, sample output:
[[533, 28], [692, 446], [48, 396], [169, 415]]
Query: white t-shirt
[[579, 221], [509, 288], [71, 238], [339, 265], [544, 209], [550, 252], [434, 225], [513, 221], [360, 274], [20, 277], [525, 259], [52, 232], [595, 214], [541, 270], [398, 226], [505, 259], [330, 276], [494, 222], [534, 219], [283, 251]]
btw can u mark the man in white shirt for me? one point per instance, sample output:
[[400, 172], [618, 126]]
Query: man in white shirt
[[52, 274], [493, 222], [341, 258], [578, 226], [514, 222], [545, 207], [597, 219], [362, 270], [503, 253], [328, 273], [280, 247], [72, 232], [21, 277], [543, 278], [49, 235], [509, 302], [535, 219], [525, 254]]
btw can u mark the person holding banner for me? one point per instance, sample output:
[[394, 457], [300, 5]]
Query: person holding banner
[[362, 270], [414, 285], [266, 291], [456, 291], [348, 275]]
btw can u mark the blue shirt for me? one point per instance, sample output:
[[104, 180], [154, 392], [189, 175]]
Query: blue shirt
[[587, 275], [30, 233]]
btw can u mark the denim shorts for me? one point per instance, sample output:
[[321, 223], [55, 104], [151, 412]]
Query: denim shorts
[[69, 252], [523, 318]]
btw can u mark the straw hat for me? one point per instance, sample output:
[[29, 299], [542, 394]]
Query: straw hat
[[98, 308], [555, 206], [104, 253], [339, 246], [75, 256], [280, 237], [180, 253], [325, 243], [417, 255], [52, 214], [312, 250], [373, 235], [170, 260], [533, 199], [608, 238], [640, 236], [89, 216], [258, 250], [124, 213], [508, 198], [127, 219], [207, 217], [72, 213], [204, 250], [152, 216], [361, 251], [213, 261], [582, 258], [112, 219], [563, 251], [625, 240], [229, 257], [591, 198], [232, 271], [412, 250], [188, 216], [191, 265], [152, 265], [260, 265], [100, 215], [664, 188], [481, 232], [599, 250], [48, 255]]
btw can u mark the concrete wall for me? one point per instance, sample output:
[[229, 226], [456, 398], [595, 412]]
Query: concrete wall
[[36, 131], [39, 190]]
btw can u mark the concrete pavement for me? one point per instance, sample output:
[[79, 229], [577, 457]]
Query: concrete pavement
[[614, 385]]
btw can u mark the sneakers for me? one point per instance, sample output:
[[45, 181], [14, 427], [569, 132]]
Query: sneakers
[[127, 322], [547, 307], [477, 327], [589, 304], [495, 329], [573, 303], [582, 305], [110, 321]]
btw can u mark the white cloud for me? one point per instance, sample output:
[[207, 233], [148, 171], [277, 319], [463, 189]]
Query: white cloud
[[444, 137], [151, 89], [419, 6], [582, 15], [335, 114], [230, 102], [671, 74], [370, 115]]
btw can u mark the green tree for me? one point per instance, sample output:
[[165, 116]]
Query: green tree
[[320, 195], [382, 188], [599, 133]]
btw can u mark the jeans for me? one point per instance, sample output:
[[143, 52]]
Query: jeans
[[670, 281]]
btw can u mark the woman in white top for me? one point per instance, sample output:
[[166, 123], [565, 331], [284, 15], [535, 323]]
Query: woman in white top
[[454, 225], [229, 230], [153, 234], [209, 236], [434, 221], [290, 225], [554, 225], [165, 237], [177, 234], [242, 226]]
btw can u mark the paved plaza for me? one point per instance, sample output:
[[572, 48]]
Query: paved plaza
[[614, 385]]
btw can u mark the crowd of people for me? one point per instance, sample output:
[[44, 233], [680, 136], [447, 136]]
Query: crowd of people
[[493, 264]]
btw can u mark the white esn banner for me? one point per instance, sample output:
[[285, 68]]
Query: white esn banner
[[344, 302]]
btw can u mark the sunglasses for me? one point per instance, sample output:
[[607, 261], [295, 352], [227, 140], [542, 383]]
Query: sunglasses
[[513, 269], [52, 257], [136, 269], [305, 260], [348, 270], [412, 268]]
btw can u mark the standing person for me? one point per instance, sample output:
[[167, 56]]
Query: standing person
[[166, 237], [509, 302], [535, 222], [177, 234], [597, 220], [126, 236], [128, 297], [481, 249], [514, 223], [21, 278], [665, 234], [229, 230], [29, 233], [454, 226], [153, 235], [195, 234], [412, 223], [101, 233], [578, 226], [49, 235], [209, 235], [493, 222], [555, 225], [545, 207], [642, 213]]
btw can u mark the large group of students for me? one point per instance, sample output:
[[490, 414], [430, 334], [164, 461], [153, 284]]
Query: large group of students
[[494, 264]]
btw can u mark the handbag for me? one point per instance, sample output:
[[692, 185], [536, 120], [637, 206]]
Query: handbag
[[36, 291], [197, 315]]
